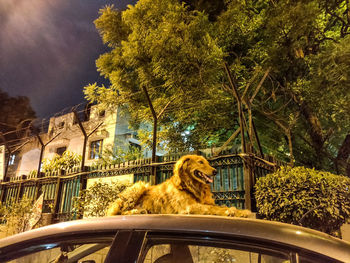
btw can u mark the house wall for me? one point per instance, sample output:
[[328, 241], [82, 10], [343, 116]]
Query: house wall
[[27, 158], [72, 136], [64, 130], [29, 162]]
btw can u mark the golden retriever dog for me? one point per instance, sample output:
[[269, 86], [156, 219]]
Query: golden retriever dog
[[186, 192]]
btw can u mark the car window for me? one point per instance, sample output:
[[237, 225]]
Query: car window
[[47, 255], [53, 253], [98, 256], [184, 251], [316, 259], [88, 248]]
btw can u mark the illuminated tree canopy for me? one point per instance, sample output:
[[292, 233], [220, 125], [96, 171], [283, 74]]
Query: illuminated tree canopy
[[176, 50]]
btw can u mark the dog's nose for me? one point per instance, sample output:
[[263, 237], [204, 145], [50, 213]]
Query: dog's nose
[[215, 172]]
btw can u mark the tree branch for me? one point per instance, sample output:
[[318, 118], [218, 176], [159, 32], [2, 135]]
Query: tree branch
[[164, 108], [232, 137], [250, 82], [150, 102], [260, 84]]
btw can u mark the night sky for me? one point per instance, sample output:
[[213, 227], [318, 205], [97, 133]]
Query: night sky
[[48, 50]]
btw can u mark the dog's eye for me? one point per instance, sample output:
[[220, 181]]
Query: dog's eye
[[201, 162]]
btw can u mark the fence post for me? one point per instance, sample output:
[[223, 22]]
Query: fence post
[[248, 169], [2, 197], [83, 183], [37, 190], [154, 169], [19, 193], [55, 208]]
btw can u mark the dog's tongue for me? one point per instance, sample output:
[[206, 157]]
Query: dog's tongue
[[208, 178]]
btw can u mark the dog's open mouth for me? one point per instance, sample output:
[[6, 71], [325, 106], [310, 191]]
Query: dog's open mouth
[[203, 176]]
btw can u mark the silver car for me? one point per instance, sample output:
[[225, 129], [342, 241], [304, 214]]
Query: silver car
[[173, 238]]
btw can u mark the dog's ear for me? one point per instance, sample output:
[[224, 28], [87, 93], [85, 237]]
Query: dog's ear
[[184, 164], [181, 165]]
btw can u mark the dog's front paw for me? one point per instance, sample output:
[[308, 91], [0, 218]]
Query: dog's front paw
[[243, 213], [135, 211], [114, 208], [233, 211]]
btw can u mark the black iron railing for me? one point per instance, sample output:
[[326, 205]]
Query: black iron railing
[[236, 176]]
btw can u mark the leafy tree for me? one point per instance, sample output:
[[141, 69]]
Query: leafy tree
[[293, 38], [308, 84], [211, 8], [307, 197], [166, 59], [16, 113], [329, 97]]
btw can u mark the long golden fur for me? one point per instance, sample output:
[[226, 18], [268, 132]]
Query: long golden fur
[[186, 192]]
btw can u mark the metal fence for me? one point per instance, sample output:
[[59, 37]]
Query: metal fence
[[231, 187]]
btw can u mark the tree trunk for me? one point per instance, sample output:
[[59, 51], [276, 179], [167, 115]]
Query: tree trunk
[[290, 145], [154, 150], [341, 162], [315, 129]]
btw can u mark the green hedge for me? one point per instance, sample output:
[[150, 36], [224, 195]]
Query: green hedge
[[302, 196], [94, 201]]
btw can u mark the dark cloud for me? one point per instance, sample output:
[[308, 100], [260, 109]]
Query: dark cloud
[[48, 50]]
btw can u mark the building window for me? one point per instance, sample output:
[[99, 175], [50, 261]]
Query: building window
[[101, 113], [61, 150], [12, 159], [61, 124], [133, 146], [95, 149]]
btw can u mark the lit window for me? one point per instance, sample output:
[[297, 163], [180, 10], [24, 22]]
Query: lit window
[[61, 150], [12, 159], [95, 149]]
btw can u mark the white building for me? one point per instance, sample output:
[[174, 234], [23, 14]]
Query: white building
[[103, 128]]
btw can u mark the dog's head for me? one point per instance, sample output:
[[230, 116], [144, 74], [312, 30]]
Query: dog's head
[[194, 167]]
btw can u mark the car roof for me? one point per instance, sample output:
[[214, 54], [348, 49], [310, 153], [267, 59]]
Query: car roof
[[275, 232]]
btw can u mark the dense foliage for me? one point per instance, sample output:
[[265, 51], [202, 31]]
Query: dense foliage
[[307, 197], [94, 201], [116, 155], [16, 216], [176, 51], [58, 163]]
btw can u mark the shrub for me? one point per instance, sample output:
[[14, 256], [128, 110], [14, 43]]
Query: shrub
[[116, 155], [16, 216], [302, 196], [33, 173], [66, 161], [93, 202]]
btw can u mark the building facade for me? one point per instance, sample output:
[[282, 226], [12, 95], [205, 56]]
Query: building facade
[[102, 129]]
